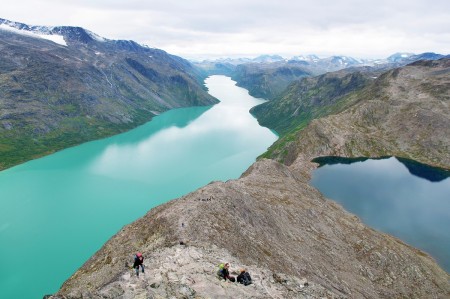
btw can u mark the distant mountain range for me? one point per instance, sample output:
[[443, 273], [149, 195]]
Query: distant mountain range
[[60, 86], [268, 75], [335, 62]]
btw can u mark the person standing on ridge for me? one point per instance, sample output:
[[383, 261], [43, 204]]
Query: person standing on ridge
[[138, 261]]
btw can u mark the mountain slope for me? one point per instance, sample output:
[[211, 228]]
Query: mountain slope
[[276, 225], [53, 96], [267, 80], [309, 98], [267, 76], [405, 113], [282, 229]]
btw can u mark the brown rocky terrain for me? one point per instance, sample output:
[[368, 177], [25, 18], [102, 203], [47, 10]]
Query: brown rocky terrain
[[294, 242], [274, 224], [404, 113]]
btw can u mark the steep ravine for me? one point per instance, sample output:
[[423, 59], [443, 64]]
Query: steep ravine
[[295, 242]]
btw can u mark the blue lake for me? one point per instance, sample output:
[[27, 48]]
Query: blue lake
[[403, 198], [58, 210]]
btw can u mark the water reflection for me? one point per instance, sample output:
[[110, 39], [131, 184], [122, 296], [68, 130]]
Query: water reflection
[[84, 194], [387, 197], [226, 132], [432, 174]]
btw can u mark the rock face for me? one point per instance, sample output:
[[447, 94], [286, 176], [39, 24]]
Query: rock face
[[53, 96], [271, 222]]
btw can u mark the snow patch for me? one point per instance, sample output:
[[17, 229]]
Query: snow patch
[[59, 39], [96, 36]]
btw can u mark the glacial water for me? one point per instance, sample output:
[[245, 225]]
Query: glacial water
[[58, 210], [400, 197]]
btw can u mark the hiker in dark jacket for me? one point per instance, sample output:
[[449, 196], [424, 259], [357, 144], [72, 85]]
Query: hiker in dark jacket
[[244, 277], [225, 274], [138, 261]]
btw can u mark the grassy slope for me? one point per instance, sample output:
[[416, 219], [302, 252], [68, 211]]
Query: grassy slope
[[403, 113], [54, 97]]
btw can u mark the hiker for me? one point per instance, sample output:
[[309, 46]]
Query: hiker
[[224, 272], [138, 261], [244, 277]]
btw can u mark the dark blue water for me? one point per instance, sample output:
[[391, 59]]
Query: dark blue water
[[403, 198]]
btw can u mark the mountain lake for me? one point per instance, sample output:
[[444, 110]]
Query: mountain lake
[[400, 197], [58, 210]]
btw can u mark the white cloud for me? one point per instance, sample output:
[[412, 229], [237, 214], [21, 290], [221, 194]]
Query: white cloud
[[251, 27]]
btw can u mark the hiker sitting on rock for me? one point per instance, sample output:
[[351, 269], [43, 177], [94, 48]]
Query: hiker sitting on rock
[[138, 261], [244, 277], [224, 273]]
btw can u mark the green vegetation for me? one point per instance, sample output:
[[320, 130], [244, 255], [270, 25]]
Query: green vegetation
[[54, 97], [402, 113], [309, 98], [304, 101], [21, 145], [268, 80]]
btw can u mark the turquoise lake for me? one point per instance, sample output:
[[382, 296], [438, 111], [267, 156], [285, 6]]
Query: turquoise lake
[[400, 197], [58, 210]]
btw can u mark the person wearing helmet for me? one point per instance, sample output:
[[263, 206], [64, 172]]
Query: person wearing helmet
[[138, 261]]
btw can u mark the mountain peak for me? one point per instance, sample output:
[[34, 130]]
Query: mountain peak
[[399, 56], [62, 34], [268, 58], [42, 32]]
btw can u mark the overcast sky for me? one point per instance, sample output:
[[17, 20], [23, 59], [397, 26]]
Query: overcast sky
[[247, 28]]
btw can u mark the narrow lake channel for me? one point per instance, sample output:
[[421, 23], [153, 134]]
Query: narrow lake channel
[[58, 210]]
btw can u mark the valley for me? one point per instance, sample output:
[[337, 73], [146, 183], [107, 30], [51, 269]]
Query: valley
[[294, 241], [55, 96], [276, 219]]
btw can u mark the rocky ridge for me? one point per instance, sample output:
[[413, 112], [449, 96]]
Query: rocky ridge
[[274, 224], [295, 242]]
